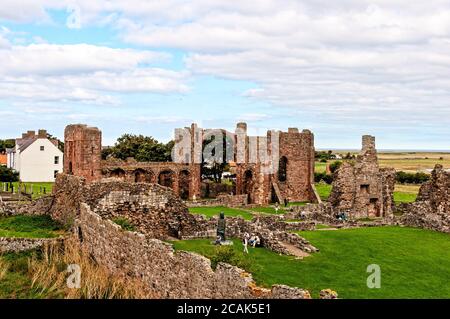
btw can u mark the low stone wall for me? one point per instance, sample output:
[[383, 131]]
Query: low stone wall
[[9, 244], [169, 273], [40, 206], [221, 200]]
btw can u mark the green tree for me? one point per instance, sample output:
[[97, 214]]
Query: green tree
[[8, 175], [4, 144], [140, 147], [334, 166]]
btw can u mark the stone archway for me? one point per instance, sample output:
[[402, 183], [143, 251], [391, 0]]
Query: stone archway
[[166, 178], [184, 184], [117, 173], [142, 176]]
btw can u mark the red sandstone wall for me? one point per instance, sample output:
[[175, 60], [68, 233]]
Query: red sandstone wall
[[82, 151]]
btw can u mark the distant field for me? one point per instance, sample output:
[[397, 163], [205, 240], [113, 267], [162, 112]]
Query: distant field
[[405, 161], [414, 162]]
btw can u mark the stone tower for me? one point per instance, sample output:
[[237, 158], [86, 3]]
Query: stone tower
[[361, 188], [82, 151]]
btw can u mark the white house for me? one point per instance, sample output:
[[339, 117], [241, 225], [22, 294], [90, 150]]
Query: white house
[[36, 157]]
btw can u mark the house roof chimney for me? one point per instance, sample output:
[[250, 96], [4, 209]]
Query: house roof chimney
[[42, 134]]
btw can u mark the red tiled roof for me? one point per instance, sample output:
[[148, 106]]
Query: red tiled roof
[[3, 159]]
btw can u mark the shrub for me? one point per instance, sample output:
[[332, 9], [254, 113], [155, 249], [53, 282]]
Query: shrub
[[8, 175], [228, 254], [334, 166], [124, 223], [411, 178], [318, 177]]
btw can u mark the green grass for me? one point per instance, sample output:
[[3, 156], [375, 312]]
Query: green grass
[[36, 186], [17, 283], [215, 211], [267, 210], [414, 263], [320, 167], [324, 190], [29, 227], [401, 197]]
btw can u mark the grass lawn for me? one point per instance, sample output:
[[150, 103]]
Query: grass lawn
[[215, 211], [324, 190], [405, 193], [400, 197], [37, 186], [29, 227], [414, 263], [320, 167], [267, 210]]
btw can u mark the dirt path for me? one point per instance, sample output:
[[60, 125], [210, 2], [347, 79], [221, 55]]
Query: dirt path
[[297, 252]]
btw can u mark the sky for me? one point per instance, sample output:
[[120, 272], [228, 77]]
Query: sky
[[339, 68]]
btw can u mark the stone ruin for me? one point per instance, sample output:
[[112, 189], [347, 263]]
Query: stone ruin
[[158, 214], [294, 178], [362, 189], [431, 209]]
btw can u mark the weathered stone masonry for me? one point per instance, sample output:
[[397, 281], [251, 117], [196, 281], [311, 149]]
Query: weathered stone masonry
[[293, 180], [169, 273], [363, 189], [432, 207]]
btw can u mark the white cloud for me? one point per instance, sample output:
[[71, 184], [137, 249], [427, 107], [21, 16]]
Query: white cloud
[[86, 73], [353, 61], [253, 117]]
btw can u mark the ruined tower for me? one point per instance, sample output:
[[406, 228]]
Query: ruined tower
[[293, 174], [82, 151], [361, 188]]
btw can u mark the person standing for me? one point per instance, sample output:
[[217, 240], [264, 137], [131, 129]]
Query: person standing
[[245, 242]]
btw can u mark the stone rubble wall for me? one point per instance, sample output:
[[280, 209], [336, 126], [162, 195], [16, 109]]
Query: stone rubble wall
[[40, 206], [10, 244], [169, 273], [221, 200], [432, 207]]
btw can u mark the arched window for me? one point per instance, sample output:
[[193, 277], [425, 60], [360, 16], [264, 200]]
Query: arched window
[[282, 169]]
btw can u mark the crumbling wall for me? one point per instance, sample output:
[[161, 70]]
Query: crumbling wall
[[39, 206], [169, 273], [153, 209], [221, 200], [361, 188], [432, 207], [15, 245]]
